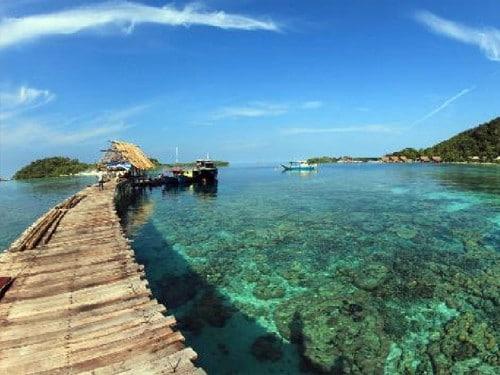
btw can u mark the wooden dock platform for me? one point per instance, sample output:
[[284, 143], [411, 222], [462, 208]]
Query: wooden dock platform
[[79, 302]]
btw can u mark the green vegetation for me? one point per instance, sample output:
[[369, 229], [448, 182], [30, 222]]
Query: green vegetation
[[322, 160], [482, 141], [218, 163], [333, 159], [51, 167], [409, 152], [156, 162], [364, 159]]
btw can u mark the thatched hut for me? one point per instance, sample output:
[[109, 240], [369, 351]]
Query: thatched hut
[[436, 159], [425, 159], [126, 157]]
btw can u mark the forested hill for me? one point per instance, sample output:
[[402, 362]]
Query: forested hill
[[482, 141], [51, 167]]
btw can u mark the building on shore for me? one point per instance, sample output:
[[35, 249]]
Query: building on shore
[[436, 159]]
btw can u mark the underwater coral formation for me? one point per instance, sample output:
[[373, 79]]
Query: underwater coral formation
[[374, 281]]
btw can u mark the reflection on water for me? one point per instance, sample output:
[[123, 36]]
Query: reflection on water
[[201, 190], [356, 269], [299, 173]]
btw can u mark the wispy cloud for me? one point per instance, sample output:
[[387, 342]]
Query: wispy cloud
[[486, 38], [22, 99], [363, 109], [314, 104], [346, 129], [443, 105], [125, 16], [20, 130], [27, 132], [257, 109], [264, 109]]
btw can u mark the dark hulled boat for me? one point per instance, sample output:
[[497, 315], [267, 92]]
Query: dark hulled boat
[[204, 172]]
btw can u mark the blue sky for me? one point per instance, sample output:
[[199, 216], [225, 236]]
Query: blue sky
[[244, 80]]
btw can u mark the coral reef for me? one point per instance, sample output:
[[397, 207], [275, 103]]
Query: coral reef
[[464, 342], [397, 275], [336, 327]]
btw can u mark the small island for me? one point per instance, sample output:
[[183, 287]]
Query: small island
[[342, 159], [218, 163], [52, 167]]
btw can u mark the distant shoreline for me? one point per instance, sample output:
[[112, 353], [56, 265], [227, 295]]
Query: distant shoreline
[[95, 172]]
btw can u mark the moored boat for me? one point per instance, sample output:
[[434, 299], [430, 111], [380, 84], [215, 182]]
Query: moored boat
[[300, 165], [204, 172]]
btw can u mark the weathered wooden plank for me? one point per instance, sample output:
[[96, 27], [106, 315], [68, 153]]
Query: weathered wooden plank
[[83, 312], [21, 333], [80, 302]]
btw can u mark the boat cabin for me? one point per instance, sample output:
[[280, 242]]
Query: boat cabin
[[203, 163]]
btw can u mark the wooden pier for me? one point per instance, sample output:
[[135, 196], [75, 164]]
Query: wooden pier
[[79, 303]]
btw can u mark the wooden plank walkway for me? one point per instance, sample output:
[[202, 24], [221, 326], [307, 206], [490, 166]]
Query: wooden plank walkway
[[80, 303]]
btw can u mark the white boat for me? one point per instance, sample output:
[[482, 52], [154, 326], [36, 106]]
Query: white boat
[[300, 165]]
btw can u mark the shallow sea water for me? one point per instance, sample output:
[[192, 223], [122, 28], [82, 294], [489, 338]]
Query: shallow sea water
[[22, 202], [355, 269]]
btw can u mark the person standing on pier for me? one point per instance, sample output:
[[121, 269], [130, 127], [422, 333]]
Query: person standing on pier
[[100, 180]]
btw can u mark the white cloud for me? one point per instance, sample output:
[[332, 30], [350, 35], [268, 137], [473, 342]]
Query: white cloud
[[443, 105], [21, 99], [314, 104], [257, 109], [486, 38], [125, 16], [348, 129]]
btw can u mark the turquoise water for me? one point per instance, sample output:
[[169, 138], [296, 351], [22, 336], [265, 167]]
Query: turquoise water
[[354, 269], [22, 202]]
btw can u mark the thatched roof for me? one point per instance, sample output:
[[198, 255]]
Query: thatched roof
[[123, 152]]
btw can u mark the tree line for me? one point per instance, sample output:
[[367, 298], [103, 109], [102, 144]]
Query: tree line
[[482, 142]]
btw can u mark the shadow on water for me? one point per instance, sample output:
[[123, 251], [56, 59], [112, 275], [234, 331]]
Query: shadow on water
[[297, 338], [227, 340]]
